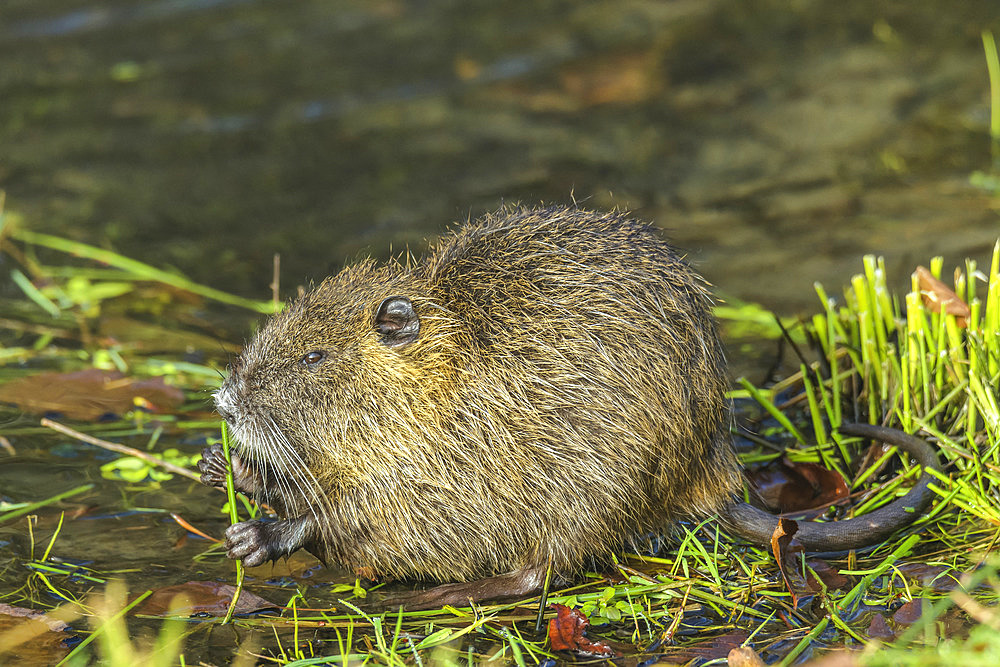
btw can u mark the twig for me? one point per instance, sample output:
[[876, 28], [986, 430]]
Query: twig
[[122, 449], [183, 523]]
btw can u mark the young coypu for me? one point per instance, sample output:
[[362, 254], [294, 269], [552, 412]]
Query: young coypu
[[546, 384]]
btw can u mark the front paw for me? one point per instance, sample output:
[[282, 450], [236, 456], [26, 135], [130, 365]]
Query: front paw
[[254, 542], [212, 467]]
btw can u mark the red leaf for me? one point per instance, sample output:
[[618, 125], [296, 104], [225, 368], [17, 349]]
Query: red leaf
[[567, 630], [936, 577], [710, 648]]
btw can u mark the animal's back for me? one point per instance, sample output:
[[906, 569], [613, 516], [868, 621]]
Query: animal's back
[[592, 406]]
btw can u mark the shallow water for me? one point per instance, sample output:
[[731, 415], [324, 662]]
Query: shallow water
[[777, 142]]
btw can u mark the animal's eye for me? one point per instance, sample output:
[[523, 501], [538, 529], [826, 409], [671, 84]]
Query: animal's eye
[[313, 358]]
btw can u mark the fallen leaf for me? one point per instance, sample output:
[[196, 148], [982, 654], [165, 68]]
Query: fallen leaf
[[879, 629], [89, 395], [622, 79], [842, 658], [711, 648], [788, 486], [787, 553], [829, 575], [744, 656], [298, 565], [910, 612], [29, 637], [203, 597], [936, 577], [937, 295], [567, 630]]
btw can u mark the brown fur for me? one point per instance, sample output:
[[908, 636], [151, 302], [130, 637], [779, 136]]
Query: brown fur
[[565, 393]]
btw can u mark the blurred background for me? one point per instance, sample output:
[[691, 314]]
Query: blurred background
[[777, 142]]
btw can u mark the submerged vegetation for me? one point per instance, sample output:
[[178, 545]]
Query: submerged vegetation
[[927, 361]]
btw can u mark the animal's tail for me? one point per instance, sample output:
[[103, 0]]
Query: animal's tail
[[757, 526]]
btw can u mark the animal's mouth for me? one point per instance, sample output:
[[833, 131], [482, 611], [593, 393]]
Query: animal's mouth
[[226, 406]]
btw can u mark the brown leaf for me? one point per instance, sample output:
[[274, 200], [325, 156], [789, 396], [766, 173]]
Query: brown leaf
[[936, 577], [910, 612], [790, 486], [830, 576], [937, 295], [89, 395], [879, 629], [29, 637], [622, 79], [567, 630], [203, 597], [744, 656], [786, 552], [711, 648], [846, 658]]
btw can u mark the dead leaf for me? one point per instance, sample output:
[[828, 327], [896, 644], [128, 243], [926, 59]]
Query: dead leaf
[[910, 612], [744, 656], [621, 79], [937, 295], [879, 629], [786, 552], [29, 637], [829, 575], [567, 630], [711, 648], [789, 486], [89, 395], [936, 577], [203, 597], [848, 658]]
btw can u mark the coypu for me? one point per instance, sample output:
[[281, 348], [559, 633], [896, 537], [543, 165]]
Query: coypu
[[544, 386]]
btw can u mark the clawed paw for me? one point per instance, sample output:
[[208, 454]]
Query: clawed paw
[[251, 542], [212, 466]]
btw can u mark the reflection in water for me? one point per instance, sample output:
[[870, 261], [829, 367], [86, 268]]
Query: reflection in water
[[777, 145], [101, 18]]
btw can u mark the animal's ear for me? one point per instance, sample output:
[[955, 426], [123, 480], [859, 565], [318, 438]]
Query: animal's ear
[[397, 322]]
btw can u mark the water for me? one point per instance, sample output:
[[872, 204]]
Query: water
[[776, 141]]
